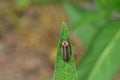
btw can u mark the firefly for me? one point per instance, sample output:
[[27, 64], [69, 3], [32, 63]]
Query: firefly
[[65, 51]]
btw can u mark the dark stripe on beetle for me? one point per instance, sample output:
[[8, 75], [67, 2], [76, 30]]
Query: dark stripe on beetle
[[65, 53]]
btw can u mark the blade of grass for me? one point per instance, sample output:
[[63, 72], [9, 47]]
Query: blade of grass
[[21, 4], [64, 70], [102, 59]]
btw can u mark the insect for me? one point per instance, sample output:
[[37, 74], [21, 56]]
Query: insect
[[65, 51]]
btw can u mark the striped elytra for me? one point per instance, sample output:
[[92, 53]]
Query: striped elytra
[[65, 51]]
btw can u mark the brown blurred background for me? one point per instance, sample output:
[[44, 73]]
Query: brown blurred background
[[28, 40], [29, 32]]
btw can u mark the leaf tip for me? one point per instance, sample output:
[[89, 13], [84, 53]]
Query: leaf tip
[[63, 24], [64, 31]]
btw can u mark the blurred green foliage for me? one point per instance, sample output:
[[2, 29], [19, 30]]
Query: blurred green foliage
[[101, 60], [84, 22], [98, 31], [21, 4], [108, 5]]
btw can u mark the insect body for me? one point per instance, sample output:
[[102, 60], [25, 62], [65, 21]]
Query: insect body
[[65, 51]]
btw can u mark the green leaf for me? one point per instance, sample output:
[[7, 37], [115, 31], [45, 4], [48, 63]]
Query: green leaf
[[20, 4], [47, 1], [102, 59], [115, 5], [64, 70], [103, 4], [73, 12], [108, 5], [86, 33], [84, 22], [80, 16]]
